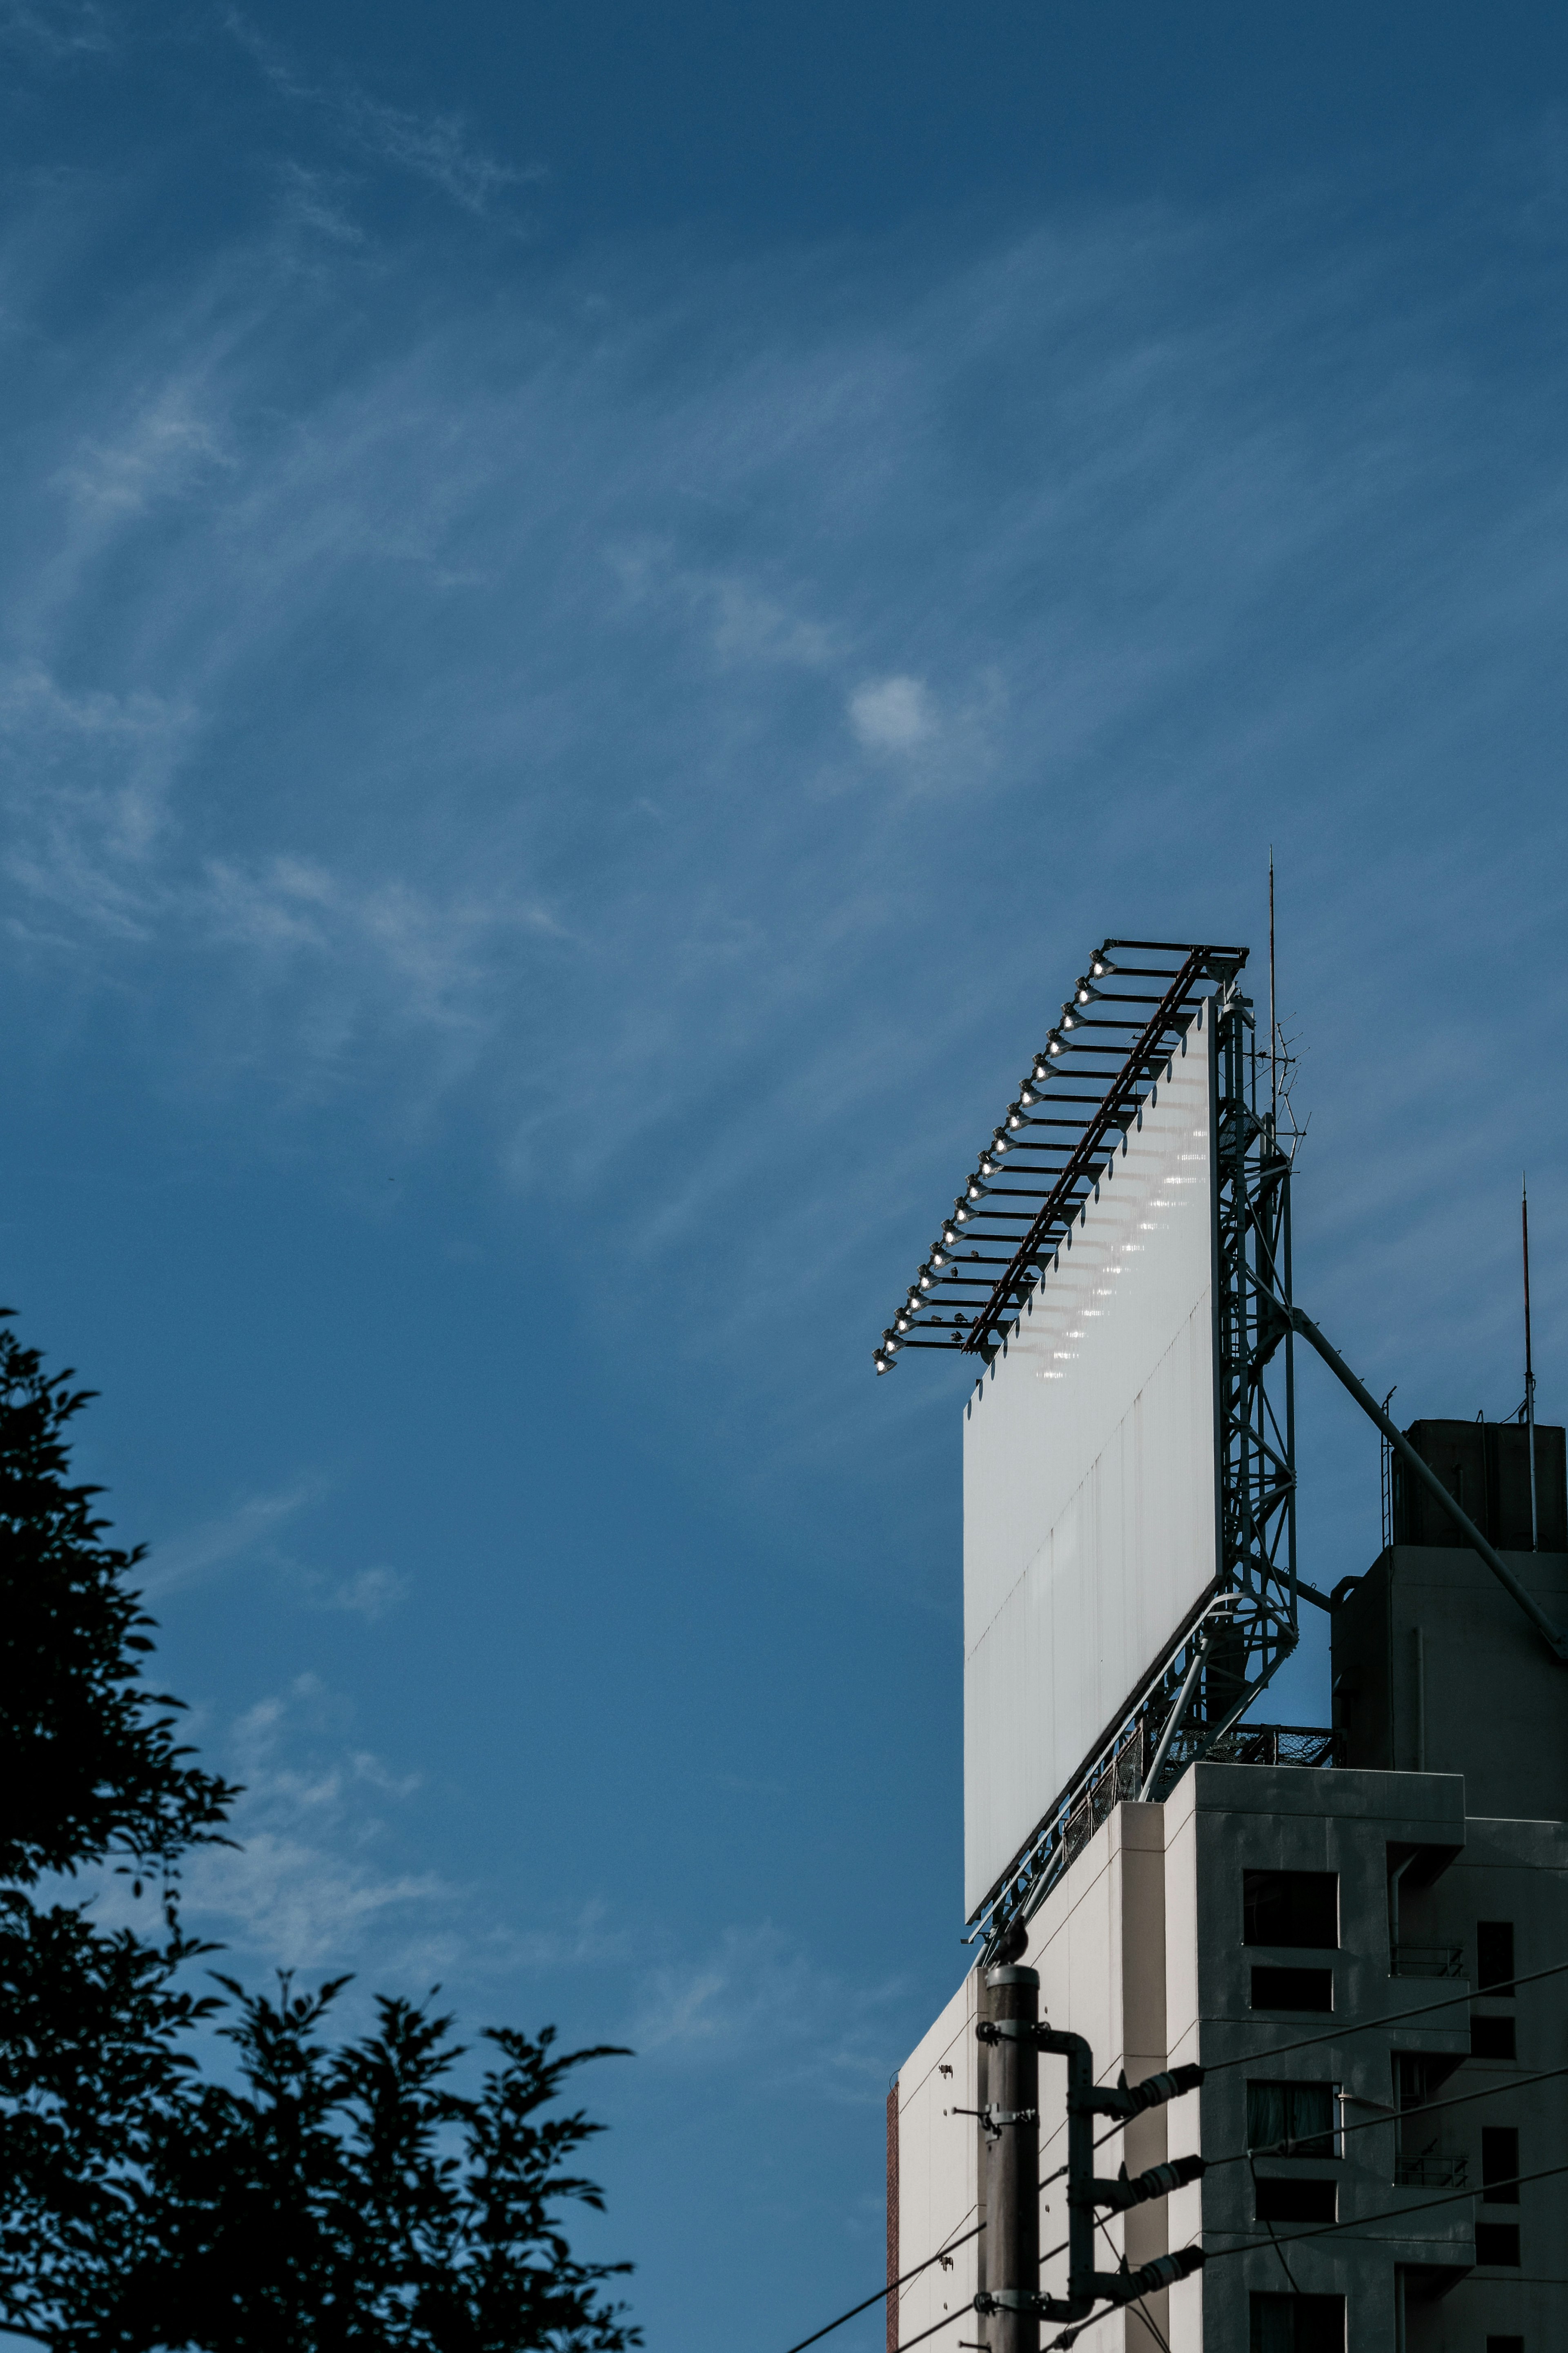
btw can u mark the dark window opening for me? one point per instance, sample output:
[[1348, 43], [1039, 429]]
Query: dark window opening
[[1291, 2119], [1296, 2201], [1505, 2345], [1497, 2244], [1290, 1907], [1494, 1956], [1296, 2324], [1490, 2038], [1499, 2165], [1295, 1989]]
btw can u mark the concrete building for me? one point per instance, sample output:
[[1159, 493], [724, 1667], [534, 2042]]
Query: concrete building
[[1347, 1950]]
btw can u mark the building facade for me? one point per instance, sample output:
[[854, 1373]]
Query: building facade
[[1353, 1953]]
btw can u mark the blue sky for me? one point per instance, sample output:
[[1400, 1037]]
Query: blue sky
[[597, 608]]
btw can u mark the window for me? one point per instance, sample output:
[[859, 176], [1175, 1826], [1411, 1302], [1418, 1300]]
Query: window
[[1296, 2324], [1490, 2038], [1494, 1956], [1291, 2119], [1290, 1907], [1296, 2201], [1497, 2244], [1295, 1989], [1505, 2345], [1499, 2165]]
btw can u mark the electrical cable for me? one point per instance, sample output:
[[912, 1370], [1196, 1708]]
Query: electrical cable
[[1393, 2116], [1389, 2215], [1148, 2316], [1338, 2033], [1253, 2058], [945, 2322], [1273, 2236], [891, 2288], [1393, 2018]]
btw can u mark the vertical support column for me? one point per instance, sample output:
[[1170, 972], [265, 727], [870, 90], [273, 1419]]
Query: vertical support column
[[1013, 2163]]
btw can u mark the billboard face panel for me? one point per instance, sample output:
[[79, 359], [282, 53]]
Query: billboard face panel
[[1091, 1475]]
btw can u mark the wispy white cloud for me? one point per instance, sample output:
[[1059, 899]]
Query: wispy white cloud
[[58, 32], [759, 2000], [312, 1880], [370, 1594], [251, 1525], [577, 685], [893, 714], [439, 148]]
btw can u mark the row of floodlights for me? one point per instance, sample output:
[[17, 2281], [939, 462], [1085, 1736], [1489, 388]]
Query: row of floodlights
[[1004, 1141]]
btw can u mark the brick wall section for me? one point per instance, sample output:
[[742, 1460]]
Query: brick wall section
[[893, 2307]]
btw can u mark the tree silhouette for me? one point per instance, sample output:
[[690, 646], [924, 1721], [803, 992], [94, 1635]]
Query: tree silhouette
[[336, 2197]]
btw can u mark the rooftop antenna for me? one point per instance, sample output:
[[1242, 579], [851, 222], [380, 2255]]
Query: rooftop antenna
[[1528, 1362], [1273, 1067]]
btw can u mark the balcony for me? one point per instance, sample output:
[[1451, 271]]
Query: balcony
[[1429, 2173], [1427, 1961]]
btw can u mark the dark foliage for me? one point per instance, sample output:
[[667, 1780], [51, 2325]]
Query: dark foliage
[[346, 2197], [89, 1766], [88, 2054]]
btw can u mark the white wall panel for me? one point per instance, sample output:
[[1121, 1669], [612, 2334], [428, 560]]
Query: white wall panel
[[1089, 1486]]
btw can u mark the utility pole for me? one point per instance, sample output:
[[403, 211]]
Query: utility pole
[[1013, 2161], [1014, 2306]]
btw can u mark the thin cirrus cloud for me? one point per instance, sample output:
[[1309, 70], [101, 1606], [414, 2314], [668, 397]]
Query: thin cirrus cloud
[[893, 714], [436, 147], [252, 1524], [663, 658]]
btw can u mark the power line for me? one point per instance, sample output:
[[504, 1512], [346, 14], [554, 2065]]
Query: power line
[[883, 2293], [1337, 2034], [1390, 2214], [1250, 2058], [1148, 2316], [1391, 2018], [945, 2322], [1393, 2116]]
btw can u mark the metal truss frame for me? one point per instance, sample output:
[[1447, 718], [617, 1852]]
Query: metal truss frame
[[1246, 1625], [1031, 1182]]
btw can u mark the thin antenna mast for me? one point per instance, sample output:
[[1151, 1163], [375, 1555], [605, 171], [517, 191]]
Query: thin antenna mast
[[1529, 1362], [1273, 1067]]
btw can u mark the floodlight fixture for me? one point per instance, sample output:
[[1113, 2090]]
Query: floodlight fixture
[[1024, 1220]]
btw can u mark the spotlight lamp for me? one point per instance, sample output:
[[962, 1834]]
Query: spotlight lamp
[[940, 1257], [977, 1188], [1053, 1044], [1099, 965], [925, 1278], [1069, 1019], [1015, 1114], [1026, 1094], [1085, 992], [987, 1167], [883, 1363], [948, 1236], [902, 1321]]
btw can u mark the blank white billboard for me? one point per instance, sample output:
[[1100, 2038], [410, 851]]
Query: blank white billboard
[[1090, 1473]]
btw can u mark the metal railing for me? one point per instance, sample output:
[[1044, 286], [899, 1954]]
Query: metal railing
[[1429, 2173], [1429, 1961]]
